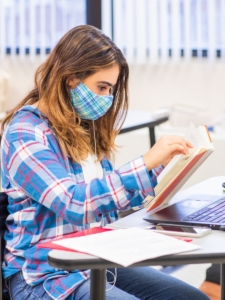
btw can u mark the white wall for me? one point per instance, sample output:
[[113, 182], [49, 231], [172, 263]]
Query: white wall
[[21, 79], [151, 87]]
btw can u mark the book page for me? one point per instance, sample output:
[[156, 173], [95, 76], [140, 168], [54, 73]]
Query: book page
[[202, 142], [177, 162], [128, 246], [195, 137], [170, 177], [177, 168], [150, 201]]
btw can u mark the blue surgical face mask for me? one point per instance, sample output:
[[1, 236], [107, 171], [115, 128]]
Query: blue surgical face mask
[[87, 104]]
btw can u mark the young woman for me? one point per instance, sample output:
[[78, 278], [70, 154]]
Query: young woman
[[56, 150]]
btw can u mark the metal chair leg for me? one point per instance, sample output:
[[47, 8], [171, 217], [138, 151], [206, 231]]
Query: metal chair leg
[[152, 136]]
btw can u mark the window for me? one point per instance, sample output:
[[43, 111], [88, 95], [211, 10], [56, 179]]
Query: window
[[35, 26], [154, 30]]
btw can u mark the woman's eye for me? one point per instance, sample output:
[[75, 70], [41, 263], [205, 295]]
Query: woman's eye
[[102, 88]]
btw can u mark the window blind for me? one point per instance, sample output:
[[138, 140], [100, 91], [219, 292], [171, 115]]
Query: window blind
[[156, 31], [30, 27]]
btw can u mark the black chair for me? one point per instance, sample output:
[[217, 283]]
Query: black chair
[[3, 215]]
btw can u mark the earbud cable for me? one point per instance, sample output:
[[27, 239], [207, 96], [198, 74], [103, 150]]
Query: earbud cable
[[94, 138], [114, 280]]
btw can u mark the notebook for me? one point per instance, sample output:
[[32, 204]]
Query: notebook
[[181, 167]]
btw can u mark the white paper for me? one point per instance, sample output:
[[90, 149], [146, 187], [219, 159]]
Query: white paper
[[194, 136], [127, 246], [112, 226]]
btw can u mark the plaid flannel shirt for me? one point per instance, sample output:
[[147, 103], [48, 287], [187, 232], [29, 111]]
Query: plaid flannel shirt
[[48, 198]]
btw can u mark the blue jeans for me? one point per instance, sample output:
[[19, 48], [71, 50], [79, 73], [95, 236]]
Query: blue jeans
[[132, 283]]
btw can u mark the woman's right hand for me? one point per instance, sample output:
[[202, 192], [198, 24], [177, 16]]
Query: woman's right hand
[[165, 149]]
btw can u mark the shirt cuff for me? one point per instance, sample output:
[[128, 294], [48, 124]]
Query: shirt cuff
[[135, 176], [154, 173]]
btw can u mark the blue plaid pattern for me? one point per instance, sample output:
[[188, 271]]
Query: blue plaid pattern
[[48, 198], [89, 105]]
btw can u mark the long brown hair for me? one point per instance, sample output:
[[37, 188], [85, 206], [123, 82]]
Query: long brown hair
[[81, 52]]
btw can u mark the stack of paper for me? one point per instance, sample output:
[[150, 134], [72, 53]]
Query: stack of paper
[[128, 246]]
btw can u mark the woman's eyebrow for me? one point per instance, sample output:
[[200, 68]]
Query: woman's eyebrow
[[105, 82]]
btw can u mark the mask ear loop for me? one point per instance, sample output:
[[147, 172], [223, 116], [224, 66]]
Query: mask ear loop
[[102, 222]]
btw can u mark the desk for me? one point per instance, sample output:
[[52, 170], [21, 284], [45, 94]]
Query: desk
[[212, 251], [137, 119]]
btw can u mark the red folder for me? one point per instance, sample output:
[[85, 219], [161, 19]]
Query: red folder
[[89, 231], [94, 230]]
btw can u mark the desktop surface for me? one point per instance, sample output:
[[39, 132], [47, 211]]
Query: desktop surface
[[212, 245], [212, 250]]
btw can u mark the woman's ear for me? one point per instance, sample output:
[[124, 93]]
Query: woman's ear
[[72, 81]]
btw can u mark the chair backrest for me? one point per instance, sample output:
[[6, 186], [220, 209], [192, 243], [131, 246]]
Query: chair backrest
[[3, 215]]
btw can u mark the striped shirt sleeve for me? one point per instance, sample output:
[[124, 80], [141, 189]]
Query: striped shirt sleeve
[[35, 169]]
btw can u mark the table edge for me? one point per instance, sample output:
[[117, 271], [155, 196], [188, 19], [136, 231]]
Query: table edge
[[150, 124], [98, 263]]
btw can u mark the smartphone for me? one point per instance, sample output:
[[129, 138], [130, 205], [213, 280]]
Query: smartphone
[[181, 230]]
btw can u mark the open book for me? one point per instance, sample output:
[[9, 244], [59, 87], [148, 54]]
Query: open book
[[181, 167]]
